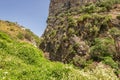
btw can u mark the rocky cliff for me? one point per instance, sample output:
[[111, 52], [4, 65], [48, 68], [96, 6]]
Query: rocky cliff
[[81, 31]]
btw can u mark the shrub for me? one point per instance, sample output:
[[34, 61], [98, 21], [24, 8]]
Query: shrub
[[101, 72], [53, 33], [106, 19], [109, 61], [106, 3], [114, 31], [11, 29], [20, 36], [71, 49], [28, 36], [71, 22], [2, 44], [89, 9], [27, 53], [71, 31], [5, 37], [102, 47], [83, 17]]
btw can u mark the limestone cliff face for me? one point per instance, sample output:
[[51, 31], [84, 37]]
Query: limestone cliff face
[[76, 27]]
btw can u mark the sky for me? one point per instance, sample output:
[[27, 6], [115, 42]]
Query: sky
[[31, 14]]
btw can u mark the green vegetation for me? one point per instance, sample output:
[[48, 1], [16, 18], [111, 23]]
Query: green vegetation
[[89, 8], [108, 4], [91, 23], [86, 27], [71, 31], [71, 22], [5, 37], [83, 17], [102, 6], [22, 61], [20, 36], [53, 33], [18, 32], [103, 47], [84, 36], [32, 37]]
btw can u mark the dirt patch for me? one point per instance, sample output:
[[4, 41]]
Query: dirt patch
[[115, 11]]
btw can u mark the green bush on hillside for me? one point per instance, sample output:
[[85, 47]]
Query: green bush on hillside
[[20, 36], [109, 61], [84, 17], [89, 9], [114, 32], [5, 37], [71, 22], [107, 3], [102, 47], [28, 53], [29, 35]]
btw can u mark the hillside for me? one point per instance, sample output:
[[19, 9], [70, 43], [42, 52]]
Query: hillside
[[20, 60], [19, 32], [83, 32]]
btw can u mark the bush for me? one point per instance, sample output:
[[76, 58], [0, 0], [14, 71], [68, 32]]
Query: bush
[[83, 17], [102, 47], [5, 37], [28, 54], [109, 61], [114, 32], [71, 22], [20, 36], [89, 9], [2, 44], [28, 36], [53, 33], [106, 3], [71, 31], [11, 29]]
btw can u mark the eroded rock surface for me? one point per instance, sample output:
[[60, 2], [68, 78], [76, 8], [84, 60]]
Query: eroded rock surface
[[76, 28]]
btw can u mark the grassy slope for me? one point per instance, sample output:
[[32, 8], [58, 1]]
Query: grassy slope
[[19, 32], [23, 61]]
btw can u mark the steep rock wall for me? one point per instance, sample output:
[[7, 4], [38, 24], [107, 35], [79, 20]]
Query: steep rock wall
[[75, 29]]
